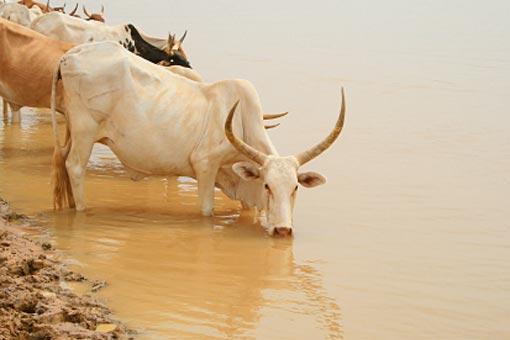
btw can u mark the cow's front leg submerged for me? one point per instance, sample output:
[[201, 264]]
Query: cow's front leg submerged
[[5, 109], [205, 173], [15, 113]]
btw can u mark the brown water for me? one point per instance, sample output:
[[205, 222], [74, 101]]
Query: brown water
[[410, 237]]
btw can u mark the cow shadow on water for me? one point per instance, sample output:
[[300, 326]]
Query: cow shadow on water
[[222, 274]]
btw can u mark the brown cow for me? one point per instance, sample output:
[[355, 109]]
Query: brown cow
[[27, 62]]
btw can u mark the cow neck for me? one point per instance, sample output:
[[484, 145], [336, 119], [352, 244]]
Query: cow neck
[[144, 49]]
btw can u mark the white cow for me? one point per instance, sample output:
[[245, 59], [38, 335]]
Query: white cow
[[76, 31], [159, 123], [20, 14]]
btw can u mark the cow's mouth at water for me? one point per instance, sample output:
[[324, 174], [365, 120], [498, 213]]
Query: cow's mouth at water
[[282, 232]]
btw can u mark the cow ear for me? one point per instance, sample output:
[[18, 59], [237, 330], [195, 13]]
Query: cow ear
[[247, 171], [311, 179]]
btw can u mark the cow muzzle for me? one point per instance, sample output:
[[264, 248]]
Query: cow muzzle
[[282, 232]]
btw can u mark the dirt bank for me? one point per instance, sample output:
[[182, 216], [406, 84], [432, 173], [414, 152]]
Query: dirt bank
[[34, 300]]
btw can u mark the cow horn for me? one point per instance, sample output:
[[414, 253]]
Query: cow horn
[[312, 153], [85, 11], [275, 116], [271, 126], [171, 39], [242, 147], [102, 9], [73, 12], [48, 8], [183, 36], [169, 44]]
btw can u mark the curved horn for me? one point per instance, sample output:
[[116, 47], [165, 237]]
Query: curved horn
[[73, 12], [312, 153], [275, 116], [271, 126], [85, 11], [183, 36], [242, 147]]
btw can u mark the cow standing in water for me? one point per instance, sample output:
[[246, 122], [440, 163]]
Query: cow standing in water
[[158, 123], [24, 16], [27, 62]]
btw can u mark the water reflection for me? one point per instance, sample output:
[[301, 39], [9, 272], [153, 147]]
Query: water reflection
[[171, 272], [184, 275]]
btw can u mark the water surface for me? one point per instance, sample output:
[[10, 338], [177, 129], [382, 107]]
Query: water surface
[[410, 237]]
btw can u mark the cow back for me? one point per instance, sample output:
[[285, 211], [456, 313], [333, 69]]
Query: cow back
[[75, 30], [27, 62]]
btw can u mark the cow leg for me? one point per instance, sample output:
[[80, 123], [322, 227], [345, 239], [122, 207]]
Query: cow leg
[[76, 164], [206, 178], [15, 113], [5, 109]]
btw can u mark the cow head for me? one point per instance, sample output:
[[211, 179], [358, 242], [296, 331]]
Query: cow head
[[175, 52], [279, 177], [95, 16]]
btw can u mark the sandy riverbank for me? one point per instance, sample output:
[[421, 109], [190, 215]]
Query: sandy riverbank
[[34, 300]]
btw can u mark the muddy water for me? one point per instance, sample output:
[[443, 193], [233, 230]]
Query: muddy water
[[410, 237]]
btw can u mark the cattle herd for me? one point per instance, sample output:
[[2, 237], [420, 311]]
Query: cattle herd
[[138, 95]]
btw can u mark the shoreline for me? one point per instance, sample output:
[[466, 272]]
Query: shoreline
[[35, 302]]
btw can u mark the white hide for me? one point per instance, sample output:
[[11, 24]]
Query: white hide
[[75, 30], [19, 14]]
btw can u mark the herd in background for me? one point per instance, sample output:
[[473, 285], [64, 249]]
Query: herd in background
[[37, 9], [68, 28], [139, 95]]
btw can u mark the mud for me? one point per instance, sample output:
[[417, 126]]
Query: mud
[[34, 300]]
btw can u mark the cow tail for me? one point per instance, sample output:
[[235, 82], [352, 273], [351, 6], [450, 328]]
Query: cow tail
[[62, 190]]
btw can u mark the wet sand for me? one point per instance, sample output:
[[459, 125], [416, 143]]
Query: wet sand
[[35, 300]]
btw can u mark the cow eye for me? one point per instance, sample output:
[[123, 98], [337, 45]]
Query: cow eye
[[267, 187], [296, 188]]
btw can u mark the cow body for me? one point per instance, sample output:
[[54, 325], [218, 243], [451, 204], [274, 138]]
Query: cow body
[[27, 62], [156, 122], [23, 16]]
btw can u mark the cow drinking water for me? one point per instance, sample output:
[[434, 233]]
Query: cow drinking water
[[159, 123]]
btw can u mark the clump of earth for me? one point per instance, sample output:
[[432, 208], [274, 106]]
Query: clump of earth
[[34, 300]]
